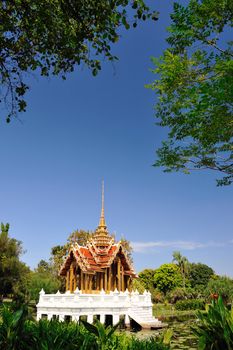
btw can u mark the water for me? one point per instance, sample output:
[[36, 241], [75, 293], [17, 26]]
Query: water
[[183, 337]]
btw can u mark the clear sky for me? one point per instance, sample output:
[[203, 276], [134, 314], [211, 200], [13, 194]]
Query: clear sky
[[78, 132]]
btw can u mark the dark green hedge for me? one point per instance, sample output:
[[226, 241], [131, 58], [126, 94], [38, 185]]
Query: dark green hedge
[[190, 304]]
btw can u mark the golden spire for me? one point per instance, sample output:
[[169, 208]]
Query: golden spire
[[101, 238], [102, 223]]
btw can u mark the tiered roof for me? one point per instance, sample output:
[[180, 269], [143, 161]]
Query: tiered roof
[[99, 253]]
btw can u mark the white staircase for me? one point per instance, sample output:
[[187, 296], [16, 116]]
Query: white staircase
[[143, 316]]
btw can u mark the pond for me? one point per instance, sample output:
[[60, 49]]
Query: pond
[[183, 337]]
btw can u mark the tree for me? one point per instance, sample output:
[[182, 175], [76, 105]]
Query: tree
[[53, 36], [183, 264], [167, 277], [200, 274], [138, 285], [43, 277], [195, 90], [80, 236], [43, 267], [127, 247], [146, 277], [14, 274]]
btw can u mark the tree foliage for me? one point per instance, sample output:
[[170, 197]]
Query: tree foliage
[[167, 277], [146, 278], [80, 236], [14, 274], [127, 247], [195, 90], [183, 264], [43, 277], [53, 36], [200, 274]]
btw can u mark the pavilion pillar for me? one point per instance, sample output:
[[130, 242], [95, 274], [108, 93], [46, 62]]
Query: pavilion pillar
[[119, 274], [90, 284], [109, 278], [74, 278], [67, 280], [90, 318], [114, 277], [71, 278], [78, 279], [101, 280], [97, 281], [82, 280], [86, 283], [106, 280], [122, 278]]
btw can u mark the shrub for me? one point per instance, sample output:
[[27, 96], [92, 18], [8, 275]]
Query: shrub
[[183, 294], [222, 286], [192, 304], [215, 328], [156, 296], [18, 333]]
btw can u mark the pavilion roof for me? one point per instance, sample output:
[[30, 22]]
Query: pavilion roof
[[92, 259], [100, 251]]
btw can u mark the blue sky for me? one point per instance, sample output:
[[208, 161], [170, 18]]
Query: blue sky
[[78, 132]]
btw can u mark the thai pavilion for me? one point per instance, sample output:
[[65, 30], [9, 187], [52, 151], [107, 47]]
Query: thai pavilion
[[101, 264], [98, 284]]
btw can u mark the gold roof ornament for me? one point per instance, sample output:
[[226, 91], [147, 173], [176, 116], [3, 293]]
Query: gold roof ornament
[[101, 237], [100, 251], [102, 223]]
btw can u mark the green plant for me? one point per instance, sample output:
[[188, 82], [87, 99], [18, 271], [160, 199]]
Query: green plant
[[192, 304], [146, 344], [182, 294], [17, 332], [215, 328], [156, 296], [56, 335], [11, 328], [103, 335], [222, 286]]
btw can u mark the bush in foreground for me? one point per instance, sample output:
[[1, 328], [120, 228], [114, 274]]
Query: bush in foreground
[[19, 333], [215, 327]]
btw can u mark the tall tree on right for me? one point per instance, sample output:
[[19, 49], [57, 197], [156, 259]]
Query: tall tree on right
[[194, 87]]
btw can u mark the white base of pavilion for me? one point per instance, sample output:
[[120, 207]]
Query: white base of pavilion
[[116, 305]]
